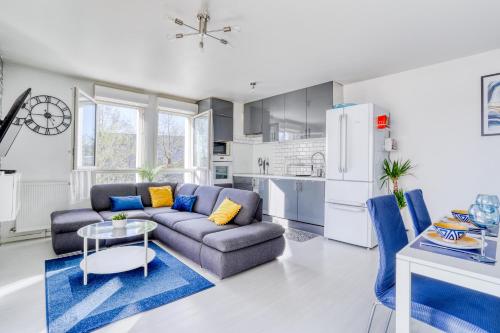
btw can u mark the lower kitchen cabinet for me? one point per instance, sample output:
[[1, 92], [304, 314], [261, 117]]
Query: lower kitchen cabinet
[[243, 183], [283, 198], [264, 194], [311, 202], [297, 200]]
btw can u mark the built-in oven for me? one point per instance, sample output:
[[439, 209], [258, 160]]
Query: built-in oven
[[222, 149], [222, 173]]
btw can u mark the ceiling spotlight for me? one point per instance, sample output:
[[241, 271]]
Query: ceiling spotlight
[[252, 85], [202, 30]]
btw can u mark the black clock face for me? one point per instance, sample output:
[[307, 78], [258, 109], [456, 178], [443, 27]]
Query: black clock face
[[47, 115]]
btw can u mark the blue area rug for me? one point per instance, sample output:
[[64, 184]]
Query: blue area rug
[[73, 307]]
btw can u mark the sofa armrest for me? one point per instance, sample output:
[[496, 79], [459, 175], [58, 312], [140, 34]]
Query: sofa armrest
[[242, 237]]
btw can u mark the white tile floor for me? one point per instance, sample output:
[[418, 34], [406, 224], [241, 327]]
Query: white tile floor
[[316, 286]]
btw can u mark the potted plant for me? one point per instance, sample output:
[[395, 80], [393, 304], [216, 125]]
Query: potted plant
[[148, 173], [119, 220], [393, 171]]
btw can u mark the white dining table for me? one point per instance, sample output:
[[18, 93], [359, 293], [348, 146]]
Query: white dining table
[[465, 273]]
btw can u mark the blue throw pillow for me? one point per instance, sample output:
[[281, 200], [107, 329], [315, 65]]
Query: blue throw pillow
[[126, 203], [184, 203]]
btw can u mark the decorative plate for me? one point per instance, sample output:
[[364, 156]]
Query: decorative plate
[[466, 243]]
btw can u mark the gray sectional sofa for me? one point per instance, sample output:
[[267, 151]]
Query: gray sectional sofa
[[224, 250]]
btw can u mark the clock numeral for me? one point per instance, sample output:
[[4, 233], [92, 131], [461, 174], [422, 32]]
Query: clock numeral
[[67, 116], [28, 121], [37, 128], [38, 99], [47, 131]]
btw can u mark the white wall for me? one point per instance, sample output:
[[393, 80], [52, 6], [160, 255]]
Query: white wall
[[39, 157], [435, 114]]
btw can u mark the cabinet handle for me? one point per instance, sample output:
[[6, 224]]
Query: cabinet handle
[[340, 143], [345, 143]]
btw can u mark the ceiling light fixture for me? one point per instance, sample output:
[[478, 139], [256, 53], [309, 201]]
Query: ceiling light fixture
[[252, 86], [202, 30]]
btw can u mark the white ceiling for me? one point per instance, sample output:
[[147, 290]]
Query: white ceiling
[[284, 44]]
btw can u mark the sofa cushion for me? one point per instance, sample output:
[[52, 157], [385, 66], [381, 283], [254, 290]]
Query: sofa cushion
[[161, 196], [248, 200], [160, 210], [72, 220], [225, 212], [99, 194], [199, 228], [143, 190], [245, 236], [131, 202], [206, 197], [170, 219], [185, 189], [131, 214]]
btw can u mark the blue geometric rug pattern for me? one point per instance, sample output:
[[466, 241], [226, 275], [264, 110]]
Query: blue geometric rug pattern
[[73, 307]]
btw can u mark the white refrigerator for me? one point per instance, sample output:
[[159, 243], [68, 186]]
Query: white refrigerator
[[354, 157]]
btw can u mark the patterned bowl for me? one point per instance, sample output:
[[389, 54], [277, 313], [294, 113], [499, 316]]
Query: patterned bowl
[[461, 214], [450, 232]]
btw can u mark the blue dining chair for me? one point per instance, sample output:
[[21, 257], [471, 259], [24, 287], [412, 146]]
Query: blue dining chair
[[445, 306], [418, 211]]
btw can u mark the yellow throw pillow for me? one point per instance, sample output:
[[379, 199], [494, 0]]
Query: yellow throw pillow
[[225, 212], [161, 196]]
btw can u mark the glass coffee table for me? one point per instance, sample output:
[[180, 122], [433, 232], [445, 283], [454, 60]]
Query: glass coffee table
[[116, 259]]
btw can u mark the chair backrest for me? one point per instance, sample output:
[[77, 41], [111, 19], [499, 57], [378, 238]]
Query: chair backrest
[[391, 234], [418, 211]]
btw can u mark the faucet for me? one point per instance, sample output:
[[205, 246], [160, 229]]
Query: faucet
[[320, 172]]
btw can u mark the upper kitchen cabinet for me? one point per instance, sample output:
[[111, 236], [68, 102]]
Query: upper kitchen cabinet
[[273, 123], [252, 118], [222, 112], [295, 115], [319, 99]]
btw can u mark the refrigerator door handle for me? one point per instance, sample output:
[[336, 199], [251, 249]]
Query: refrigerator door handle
[[340, 143], [349, 208], [344, 168]]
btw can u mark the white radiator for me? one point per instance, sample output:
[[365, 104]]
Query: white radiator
[[38, 200]]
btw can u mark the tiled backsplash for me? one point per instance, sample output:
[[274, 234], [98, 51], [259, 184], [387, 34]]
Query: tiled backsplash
[[290, 157]]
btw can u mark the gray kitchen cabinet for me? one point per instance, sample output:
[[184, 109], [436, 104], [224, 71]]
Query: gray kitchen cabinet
[[283, 198], [243, 183], [218, 106], [273, 122], [222, 116], [223, 128], [319, 99], [252, 118], [295, 115], [311, 202], [264, 194]]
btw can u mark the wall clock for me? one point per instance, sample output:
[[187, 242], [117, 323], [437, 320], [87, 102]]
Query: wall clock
[[47, 115]]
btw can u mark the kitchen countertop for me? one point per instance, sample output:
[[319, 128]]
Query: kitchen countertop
[[257, 175]]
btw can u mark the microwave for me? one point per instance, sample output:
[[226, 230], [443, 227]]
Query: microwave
[[222, 148]]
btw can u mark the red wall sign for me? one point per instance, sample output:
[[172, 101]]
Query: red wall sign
[[382, 121]]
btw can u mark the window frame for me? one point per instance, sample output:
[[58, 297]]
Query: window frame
[[188, 167], [142, 140], [139, 138]]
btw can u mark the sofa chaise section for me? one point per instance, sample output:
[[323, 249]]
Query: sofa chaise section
[[224, 250]]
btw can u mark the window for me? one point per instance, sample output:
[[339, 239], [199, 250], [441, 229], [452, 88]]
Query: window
[[85, 130], [111, 143], [117, 138], [172, 143]]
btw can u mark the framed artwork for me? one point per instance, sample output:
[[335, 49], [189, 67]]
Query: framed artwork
[[1, 85], [490, 104]]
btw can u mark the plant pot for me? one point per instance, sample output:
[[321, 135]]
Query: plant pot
[[405, 214], [119, 223]]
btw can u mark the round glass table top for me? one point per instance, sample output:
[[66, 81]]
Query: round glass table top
[[105, 230]]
